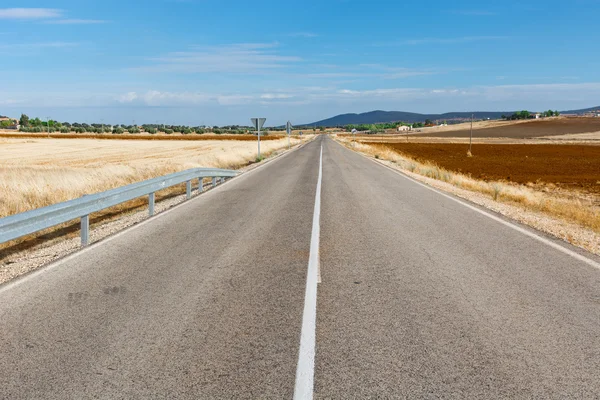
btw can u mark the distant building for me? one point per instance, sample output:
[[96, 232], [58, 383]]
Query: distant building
[[404, 128], [14, 124]]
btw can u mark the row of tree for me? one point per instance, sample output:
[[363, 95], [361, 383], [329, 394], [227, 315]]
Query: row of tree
[[527, 115], [38, 125]]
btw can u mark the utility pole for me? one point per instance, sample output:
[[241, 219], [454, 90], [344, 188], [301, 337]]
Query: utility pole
[[48, 126], [469, 154]]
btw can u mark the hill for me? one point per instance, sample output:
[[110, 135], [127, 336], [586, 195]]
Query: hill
[[379, 116]]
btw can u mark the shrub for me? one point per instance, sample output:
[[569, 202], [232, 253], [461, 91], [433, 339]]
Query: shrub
[[65, 129], [151, 131], [168, 131], [118, 131], [80, 130], [200, 131], [133, 129]]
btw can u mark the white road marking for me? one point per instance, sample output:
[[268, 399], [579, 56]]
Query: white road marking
[[305, 371], [517, 228]]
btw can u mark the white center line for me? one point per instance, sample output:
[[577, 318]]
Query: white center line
[[305, 371]]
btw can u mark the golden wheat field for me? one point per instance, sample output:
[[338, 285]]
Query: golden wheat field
[[39, 172]]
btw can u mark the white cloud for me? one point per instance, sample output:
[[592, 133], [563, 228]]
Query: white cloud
[[29, 13], [240, 58], [273, 96], [127, 97]]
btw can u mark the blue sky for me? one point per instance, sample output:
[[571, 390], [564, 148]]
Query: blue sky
[[222, 62]]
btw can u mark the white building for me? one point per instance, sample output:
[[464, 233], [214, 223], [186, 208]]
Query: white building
[[404, 128]]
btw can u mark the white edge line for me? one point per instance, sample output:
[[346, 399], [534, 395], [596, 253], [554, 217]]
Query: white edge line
[[517, 228], [305, 370], [82, 250]]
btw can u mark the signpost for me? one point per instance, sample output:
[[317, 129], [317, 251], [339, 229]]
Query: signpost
[[288, 128], [353, 137], [258, 123]]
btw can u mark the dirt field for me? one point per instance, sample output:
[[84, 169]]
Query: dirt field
[[566, 166], [522, 130], [39, 172]]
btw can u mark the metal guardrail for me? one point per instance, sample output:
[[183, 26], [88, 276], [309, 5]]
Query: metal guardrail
[[18, 225]]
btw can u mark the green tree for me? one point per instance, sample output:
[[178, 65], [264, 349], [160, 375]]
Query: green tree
[[24, 120]]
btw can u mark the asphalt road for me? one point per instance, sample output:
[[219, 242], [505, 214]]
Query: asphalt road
[[421, 297]]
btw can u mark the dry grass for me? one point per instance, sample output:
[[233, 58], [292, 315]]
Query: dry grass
[[38, 172], [574, 209]]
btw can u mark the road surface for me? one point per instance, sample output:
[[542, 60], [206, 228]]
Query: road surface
[[420, 297]]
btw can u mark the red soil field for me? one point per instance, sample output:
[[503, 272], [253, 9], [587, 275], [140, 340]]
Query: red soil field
[[566, 166]]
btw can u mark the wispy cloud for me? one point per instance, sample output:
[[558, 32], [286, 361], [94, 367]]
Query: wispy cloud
[[29, 13], [75, 21], [47, 15], [303, 35], [240, 58]]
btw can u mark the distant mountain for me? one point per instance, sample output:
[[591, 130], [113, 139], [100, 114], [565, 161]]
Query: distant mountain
[[379, 116], [583, 111], [374, 117]]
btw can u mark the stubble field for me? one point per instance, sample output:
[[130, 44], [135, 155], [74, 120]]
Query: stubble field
[[39, 172]]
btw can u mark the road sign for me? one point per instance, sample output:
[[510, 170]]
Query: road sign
[[288, 128], [258, 123]]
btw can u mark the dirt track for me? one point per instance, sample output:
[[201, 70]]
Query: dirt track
[[566, 166]]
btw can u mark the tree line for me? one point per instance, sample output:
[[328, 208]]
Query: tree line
[[528, 115], [36, 125]]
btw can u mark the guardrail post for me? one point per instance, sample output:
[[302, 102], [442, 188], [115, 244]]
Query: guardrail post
[[188, 190], [151, 204], [214, 181], [85, 230], [200, 185], [222, 179]]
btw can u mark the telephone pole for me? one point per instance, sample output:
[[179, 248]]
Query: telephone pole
[[471, 137]]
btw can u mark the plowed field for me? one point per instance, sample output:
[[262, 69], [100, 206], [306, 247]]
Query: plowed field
[[566, 166], [532, 129]]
